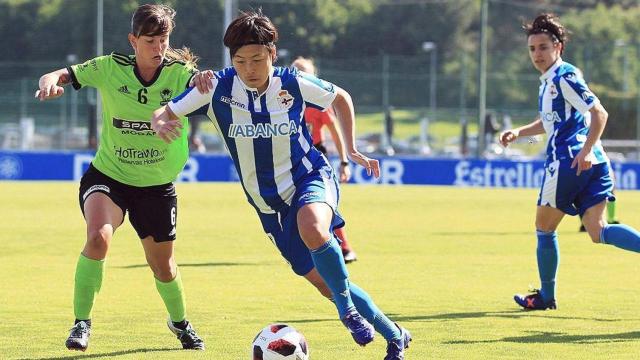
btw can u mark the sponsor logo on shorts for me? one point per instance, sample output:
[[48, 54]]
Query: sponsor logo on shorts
[[310, 195], [94, 188], [173, 232]]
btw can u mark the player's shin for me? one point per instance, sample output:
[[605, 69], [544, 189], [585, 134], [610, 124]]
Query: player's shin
[[172, 294], [367, 308], [622, 236], [330, 265], [88, 280], [548, 255]]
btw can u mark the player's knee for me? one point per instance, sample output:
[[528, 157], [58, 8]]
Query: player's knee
[[164, 271], [594, 233], [99, 238], [313, 233], [545, 227]]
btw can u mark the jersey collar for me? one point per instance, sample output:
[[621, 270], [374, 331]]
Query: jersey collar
[[552, 70], [255, 90], [153, 79]]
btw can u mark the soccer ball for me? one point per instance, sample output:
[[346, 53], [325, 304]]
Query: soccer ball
[[279, 342]]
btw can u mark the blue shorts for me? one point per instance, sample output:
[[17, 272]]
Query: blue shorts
[[572, 194], [282, 227]]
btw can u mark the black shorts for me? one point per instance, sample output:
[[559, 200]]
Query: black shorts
[[153, 210]]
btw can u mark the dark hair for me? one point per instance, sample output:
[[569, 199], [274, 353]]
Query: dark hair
[[155, 20], [547, 23], [248, 29]]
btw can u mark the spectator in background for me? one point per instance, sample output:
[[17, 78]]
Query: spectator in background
[[195, 142], [491, 128], [316, 120]]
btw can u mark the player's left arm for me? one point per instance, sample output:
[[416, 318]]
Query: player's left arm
[[345, 171], [599, 118], [577, 93], [343, 104]]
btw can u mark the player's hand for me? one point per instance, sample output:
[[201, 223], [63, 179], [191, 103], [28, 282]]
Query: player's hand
[[168, 130], [345, 173], [202, 81], [508, 136], [372, 165], [583, 161], [49, 91]]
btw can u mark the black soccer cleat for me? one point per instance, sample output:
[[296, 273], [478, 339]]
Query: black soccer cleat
[[188, 337], [79, 337]]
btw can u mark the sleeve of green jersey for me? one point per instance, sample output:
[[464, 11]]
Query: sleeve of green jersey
[[90, 73], [187, 75]]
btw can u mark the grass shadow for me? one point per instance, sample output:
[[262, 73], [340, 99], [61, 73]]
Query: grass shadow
[[105, 355], [209, 264], [305, 321], [558, 338], [509, 314], [476, 233]]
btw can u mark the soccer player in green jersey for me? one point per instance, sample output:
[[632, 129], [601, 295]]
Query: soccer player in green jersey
[[132, 170]]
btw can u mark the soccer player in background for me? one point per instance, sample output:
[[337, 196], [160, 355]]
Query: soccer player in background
[[132, 170], [258, 110], [316, 120], [578, 176]]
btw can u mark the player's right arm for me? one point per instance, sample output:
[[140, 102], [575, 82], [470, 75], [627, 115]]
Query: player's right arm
[[51, 84], [531, 129]]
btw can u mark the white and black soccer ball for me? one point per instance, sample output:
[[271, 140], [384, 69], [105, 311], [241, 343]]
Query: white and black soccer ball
[[279, 342]]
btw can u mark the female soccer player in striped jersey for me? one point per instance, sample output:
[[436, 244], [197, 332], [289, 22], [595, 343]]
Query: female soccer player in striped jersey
[[578, 177], [132, 170], [258, 110]]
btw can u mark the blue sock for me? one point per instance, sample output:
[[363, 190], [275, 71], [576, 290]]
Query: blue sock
[[548, 255], [367, 308], [622, 236], [330, 264]]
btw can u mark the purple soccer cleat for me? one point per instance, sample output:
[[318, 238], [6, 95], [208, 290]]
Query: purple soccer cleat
[[359, 327], [534, 301], [395, 348]]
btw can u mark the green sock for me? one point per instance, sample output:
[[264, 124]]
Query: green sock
[[88, 282], [611, 211], [173, 296]]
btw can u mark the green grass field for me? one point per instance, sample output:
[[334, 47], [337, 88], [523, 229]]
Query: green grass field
[[444, 262]]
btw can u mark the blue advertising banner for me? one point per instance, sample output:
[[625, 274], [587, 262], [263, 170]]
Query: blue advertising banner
[[15, 165]]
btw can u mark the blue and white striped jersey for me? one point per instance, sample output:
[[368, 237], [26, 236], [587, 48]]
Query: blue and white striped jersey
[[564, 102], [265, 134]]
